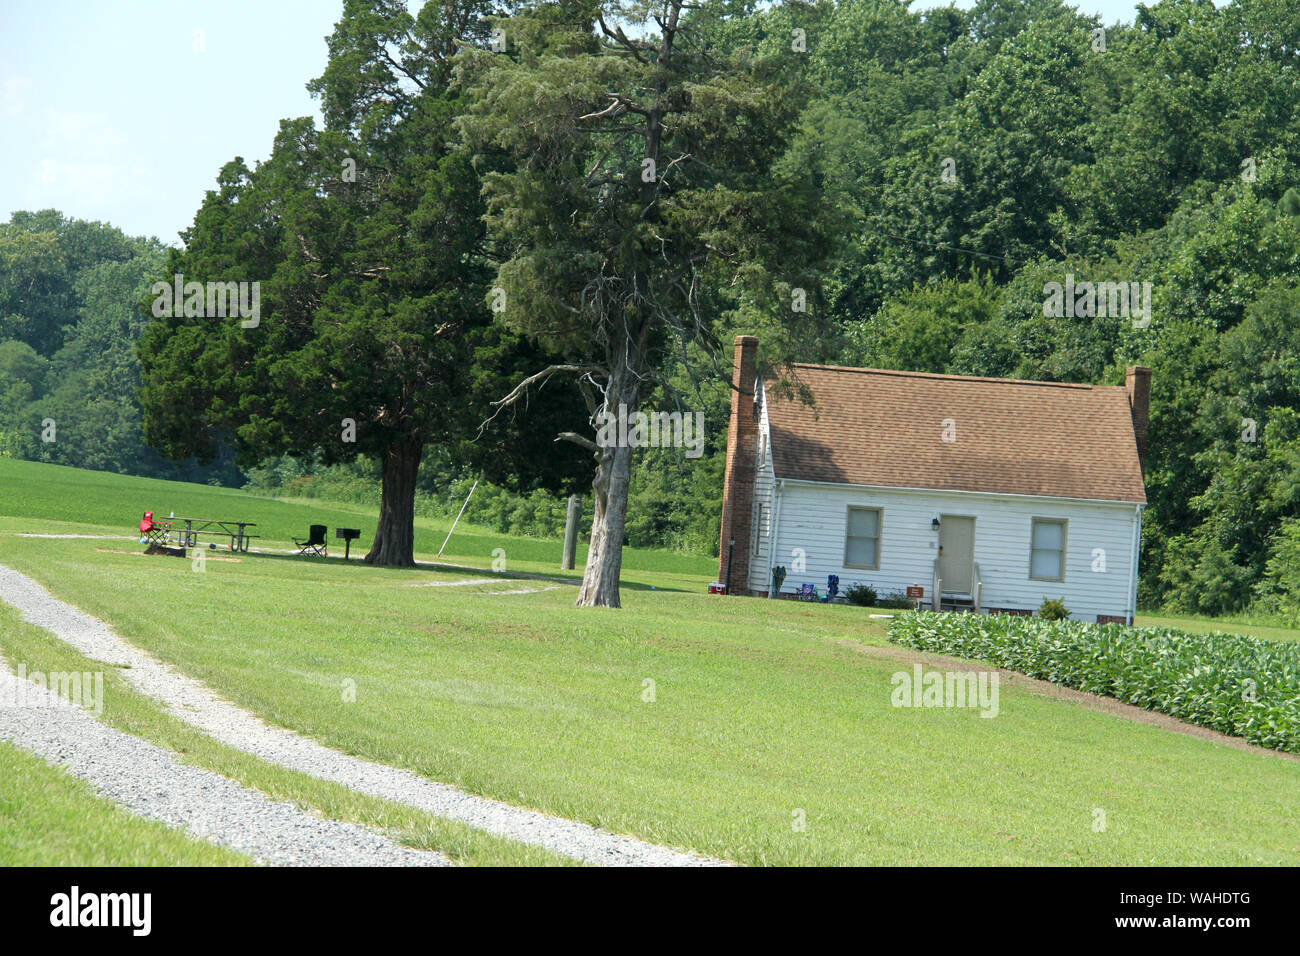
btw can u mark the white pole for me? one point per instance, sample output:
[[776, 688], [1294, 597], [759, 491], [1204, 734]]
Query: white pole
[[1133, 565], [457, 521]]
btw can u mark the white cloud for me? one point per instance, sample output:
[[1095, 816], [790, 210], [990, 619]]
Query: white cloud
[[13, 94], [83, 153]]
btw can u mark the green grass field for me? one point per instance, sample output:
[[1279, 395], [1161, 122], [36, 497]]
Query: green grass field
[[103, 503], [1200, 625], [761, 714], [133, 713]]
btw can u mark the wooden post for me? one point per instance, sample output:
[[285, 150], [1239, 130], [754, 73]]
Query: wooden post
[[571, 532]]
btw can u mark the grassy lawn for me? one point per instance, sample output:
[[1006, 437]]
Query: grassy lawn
[[50, 818], [759, 711], [1201, 625], [135, 714], [101, 503]]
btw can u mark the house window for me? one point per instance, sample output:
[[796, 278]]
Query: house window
[[862, 541], [759, 529], [1047, 550]]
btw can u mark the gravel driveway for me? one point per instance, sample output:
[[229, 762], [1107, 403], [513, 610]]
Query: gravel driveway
[[150, 782], [194, 703]]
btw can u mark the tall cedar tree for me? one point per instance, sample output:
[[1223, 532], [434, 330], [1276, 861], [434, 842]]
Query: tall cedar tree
[[630, 172], [366, 238]]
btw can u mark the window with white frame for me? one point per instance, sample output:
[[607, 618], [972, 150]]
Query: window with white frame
[[1047, 549], [862, 539]]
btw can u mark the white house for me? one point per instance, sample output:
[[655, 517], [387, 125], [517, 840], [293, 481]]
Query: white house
[[986, 494]]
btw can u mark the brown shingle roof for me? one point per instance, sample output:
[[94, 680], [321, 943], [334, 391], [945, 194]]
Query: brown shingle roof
[[884, 428]]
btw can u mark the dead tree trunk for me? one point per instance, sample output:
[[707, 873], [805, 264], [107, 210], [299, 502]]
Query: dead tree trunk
[[610, 489], [605, 555]]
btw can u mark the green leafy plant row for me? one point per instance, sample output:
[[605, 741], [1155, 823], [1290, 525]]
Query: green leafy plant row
[[1245, 686]]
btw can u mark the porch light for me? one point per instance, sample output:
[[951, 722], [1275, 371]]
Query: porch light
[[934, 524]]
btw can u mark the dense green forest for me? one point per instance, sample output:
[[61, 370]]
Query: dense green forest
[[69, 320], [971, 158]]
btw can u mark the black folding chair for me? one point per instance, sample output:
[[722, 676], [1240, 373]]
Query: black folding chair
[[315, 542]]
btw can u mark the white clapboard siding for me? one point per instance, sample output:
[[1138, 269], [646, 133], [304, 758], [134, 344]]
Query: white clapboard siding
[[814, 518], [762, 515]]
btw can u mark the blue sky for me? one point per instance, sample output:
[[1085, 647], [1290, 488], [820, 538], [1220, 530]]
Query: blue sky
[[125, 112]]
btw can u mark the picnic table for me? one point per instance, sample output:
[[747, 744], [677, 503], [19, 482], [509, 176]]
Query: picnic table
[[189, 530]]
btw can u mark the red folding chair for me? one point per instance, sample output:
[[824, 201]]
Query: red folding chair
[[151, 531]]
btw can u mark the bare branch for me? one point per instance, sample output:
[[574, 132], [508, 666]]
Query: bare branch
[[403, 70], [520, 390], [578, 440], [612, 111], [585, 386], [631, 46], [619, 105]]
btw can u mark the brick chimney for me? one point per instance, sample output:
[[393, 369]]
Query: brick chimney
[[738, 479], [1138, 382]]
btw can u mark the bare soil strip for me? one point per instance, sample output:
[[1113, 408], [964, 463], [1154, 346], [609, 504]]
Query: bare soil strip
[[453, 584]]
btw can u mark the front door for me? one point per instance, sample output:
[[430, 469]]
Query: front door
[[956, 552]]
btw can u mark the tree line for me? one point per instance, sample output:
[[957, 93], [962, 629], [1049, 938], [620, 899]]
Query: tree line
[[517, 215]]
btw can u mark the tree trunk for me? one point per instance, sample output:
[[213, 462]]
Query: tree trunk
[[605, 553], [613, 476], [394, 544]]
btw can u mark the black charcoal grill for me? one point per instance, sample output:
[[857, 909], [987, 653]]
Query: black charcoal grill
[[347, 535]]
